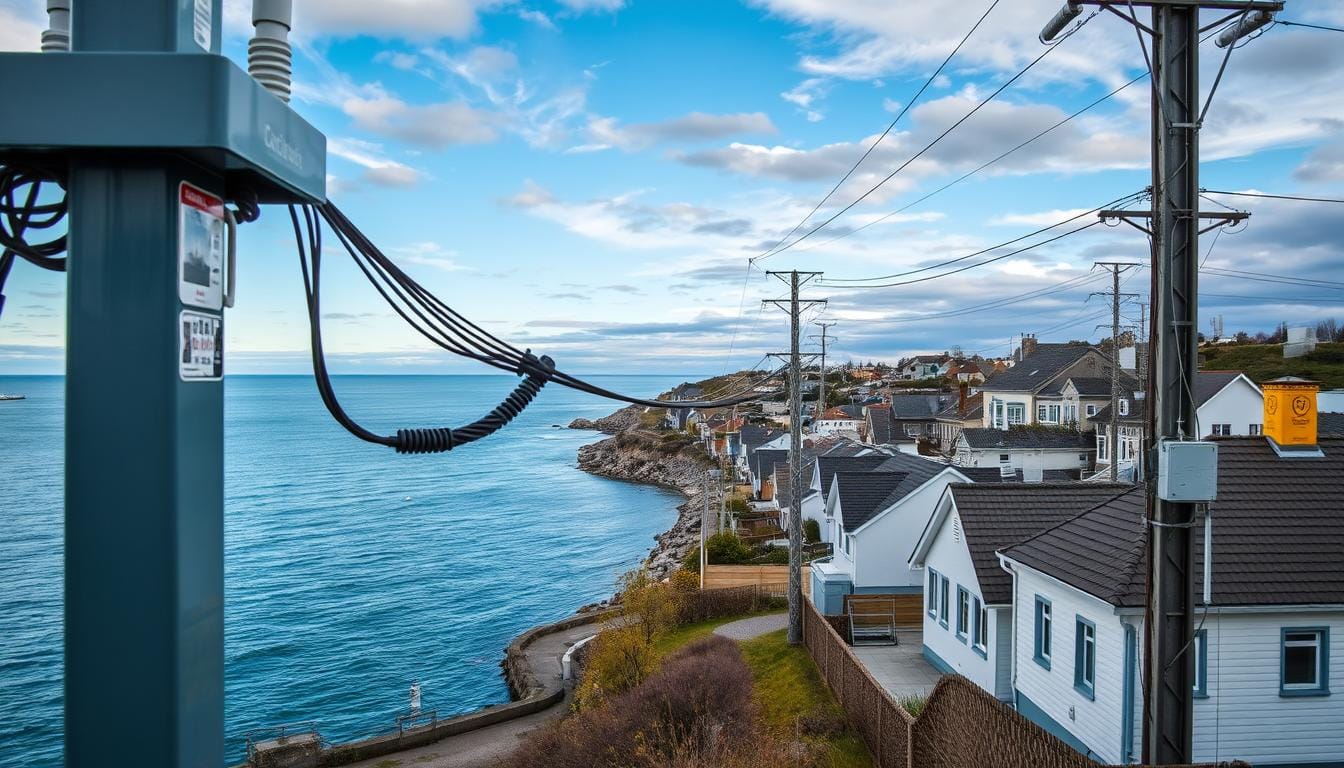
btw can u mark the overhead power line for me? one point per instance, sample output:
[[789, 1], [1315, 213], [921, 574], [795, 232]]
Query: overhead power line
[[1300, 198], [838, 282], [1003, 87], [904, 109], [1281, 22]]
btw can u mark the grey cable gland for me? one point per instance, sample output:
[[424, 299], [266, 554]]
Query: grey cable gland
[[56, 39]]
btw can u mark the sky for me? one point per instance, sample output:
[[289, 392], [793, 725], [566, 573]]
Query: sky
[[590, 178]]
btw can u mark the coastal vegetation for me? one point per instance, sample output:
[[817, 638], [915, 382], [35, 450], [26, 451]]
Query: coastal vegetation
[[660, 690], [1262, 362]]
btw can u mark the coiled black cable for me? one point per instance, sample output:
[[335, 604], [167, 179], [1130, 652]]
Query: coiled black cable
[[537, 371], [18, 218]]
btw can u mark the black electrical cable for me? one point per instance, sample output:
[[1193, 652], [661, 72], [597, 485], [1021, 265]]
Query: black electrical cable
[[17, 219], [416, 440], [449, 329]]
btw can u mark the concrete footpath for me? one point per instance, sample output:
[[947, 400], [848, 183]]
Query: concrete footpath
[[485, 746]]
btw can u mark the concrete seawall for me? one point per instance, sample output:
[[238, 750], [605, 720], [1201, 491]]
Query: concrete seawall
[[534, 682]]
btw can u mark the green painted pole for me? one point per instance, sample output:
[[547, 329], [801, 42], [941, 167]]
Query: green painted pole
[[144, 550]]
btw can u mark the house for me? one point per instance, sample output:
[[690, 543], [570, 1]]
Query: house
[[836, 451], [744, 442], [1017, 395], [1082, 398], [1269, 639], [762, 466], [966, 411], [1227, 403], [1030, 450], [968, 597], [874, 513], [842, 419], [923, 367], [965, 372]]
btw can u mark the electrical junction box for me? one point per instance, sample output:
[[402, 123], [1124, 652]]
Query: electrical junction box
[[1187, 471]]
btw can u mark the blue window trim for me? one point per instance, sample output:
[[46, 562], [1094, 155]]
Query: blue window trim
[[933, 594], [1202, 665], [1322, 662], [1042, 659], [963, 632], [943, 608], [976, 608], [1080, 684]]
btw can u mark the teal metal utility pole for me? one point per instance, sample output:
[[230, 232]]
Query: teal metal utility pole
[[152, 131]]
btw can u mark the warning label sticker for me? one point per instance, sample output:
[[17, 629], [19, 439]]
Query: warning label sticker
[[202, 346], [201, 248], [202, 21]]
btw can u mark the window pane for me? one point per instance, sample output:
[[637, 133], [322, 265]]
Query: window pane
[[1299, 664]]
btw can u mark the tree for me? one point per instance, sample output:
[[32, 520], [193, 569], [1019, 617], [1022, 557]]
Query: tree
[[1328, 330]]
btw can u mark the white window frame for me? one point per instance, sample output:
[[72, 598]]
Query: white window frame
[[1020, 409], [1103, 448], [1256, 430], [980, 640], [1092, 410]]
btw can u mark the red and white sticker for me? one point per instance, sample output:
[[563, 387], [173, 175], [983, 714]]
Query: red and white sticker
[[201, 346], [202, 243]]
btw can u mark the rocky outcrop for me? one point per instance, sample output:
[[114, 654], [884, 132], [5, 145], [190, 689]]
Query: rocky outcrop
[[626, 418], [640, 457]]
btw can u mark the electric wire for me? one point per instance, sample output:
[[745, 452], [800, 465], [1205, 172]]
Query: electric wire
[[904, 109], [837, 282], [995, 93], [1299, 198], [1281, 22]]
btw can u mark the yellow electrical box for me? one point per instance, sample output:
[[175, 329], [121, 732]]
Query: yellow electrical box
[[1290, 410]]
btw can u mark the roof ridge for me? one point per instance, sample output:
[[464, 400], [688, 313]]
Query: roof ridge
[[1063, 523]]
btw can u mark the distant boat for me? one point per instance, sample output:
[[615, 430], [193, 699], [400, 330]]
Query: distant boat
[[12, 397]]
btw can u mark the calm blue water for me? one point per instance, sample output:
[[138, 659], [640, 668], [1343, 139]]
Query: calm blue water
[[350, 571]]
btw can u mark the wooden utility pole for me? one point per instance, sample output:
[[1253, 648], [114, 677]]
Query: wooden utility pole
[[821, 396], [795, 279], [1174, 226]]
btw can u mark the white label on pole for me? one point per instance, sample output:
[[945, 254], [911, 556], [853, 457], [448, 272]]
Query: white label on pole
[[201, 247], [201, 345], [202, 21]]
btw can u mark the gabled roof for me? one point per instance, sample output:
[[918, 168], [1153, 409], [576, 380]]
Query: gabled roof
[[1328, 423], [1210, 383], [1037, 369], [1100, 386], [1027, 437], [1278, 534], [996, 516], [864, 494], [763, 461], [842, 412], [879, 424], [830, 464], [975, 408], [917, 406]]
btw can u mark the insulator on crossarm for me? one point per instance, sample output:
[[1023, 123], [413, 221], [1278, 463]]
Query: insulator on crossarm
[[56, 38]]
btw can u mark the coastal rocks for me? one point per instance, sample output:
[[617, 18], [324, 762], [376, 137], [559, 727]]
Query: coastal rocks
[[626, 418], [637, 460]]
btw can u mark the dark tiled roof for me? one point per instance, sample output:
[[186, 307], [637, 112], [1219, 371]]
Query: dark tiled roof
[[1278, 535], [763, 460], [974, 404], [864, 494], [1103, 414], [1210, 383], [917, 406], [1039, 368], [1328, 423], [879, 424], [1100, 386], [996, 516], [830, 464], [1037, 438], [852, 411]]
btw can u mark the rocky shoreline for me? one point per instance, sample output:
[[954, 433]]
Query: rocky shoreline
[[638, 457]]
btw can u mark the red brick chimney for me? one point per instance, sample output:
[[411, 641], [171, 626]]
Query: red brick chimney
[[961, 400], [1028, 346]]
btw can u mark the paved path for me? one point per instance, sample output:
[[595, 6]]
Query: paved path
[[485, 746], [746, 629], [901, 669]]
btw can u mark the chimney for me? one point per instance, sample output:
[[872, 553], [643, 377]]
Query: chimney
[[1290, 415], [1028, 346], [961, 400]]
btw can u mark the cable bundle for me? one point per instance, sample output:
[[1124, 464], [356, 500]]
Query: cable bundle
[[443, 326], [20, 213]]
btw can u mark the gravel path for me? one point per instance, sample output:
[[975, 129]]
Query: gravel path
[[746, 629]]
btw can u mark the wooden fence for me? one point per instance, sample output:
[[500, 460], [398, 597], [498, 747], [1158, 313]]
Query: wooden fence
[[772, 578], [961, 724]]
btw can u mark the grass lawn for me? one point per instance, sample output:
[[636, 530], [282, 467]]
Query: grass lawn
[[681, 635], [788, 686]]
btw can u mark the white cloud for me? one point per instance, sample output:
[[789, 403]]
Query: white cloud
[[593, 6], [430, 125], [430, 254], [21, 26], [1038, 219], [421, 20], [536, 17], [606, 132], [378, 169]]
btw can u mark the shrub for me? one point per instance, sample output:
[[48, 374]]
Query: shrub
[[703, 604], [619, 660], [773, 556], [696, 710], [737, 505], [811, 531], [913, 704], [726, 548], [691, 562]]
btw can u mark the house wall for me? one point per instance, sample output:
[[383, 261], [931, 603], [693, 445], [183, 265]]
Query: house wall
[[1244, 717], [814, 508], [1027, 400], [1238, 404], [1048, 696], [883, 546], [1018, 458], [949, 557]]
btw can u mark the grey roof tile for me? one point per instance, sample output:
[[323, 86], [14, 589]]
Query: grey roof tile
[[1039, 368], [864, 494], [1028, 437]]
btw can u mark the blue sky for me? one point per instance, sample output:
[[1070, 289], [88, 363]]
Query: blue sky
[[589, 177]]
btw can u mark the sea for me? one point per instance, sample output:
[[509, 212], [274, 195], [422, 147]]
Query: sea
[[351, 572]]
